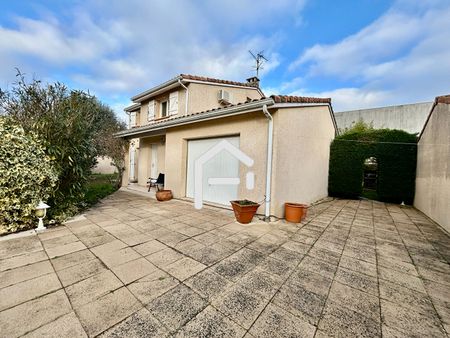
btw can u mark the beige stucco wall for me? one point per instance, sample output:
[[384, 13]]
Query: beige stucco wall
[[143, 116], [104, 166], [204, 96], [433, 167], [252, 130], [302, 138]]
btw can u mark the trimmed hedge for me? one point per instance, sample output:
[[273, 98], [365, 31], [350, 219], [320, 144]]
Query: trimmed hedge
[[396, 154]]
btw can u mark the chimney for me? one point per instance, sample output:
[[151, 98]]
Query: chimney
[[253, 81]]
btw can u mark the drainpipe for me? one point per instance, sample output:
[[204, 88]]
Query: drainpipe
[[269, 161], [187, 95]]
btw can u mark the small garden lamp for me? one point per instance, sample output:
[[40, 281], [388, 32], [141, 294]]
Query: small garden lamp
[[41, 211]]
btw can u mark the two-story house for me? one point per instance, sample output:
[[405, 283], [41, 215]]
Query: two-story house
[[287, 137]]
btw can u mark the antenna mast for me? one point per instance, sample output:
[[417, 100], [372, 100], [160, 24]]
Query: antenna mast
[[259, 59]]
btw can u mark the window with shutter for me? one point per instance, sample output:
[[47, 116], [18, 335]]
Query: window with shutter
[[151, 110], [132, 119], [173, 103]]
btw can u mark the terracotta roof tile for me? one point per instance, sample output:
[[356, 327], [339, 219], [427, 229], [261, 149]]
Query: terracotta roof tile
[[210, 79], [443, 99], [299, 99]]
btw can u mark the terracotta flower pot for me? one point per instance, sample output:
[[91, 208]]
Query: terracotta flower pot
[[164, 195], [295, 212], [244, 210]]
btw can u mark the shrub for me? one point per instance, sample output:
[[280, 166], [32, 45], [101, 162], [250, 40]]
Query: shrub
[[26, 176], [396, 154]]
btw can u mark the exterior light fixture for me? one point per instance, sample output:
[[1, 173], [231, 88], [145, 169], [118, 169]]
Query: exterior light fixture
[[41, 211]]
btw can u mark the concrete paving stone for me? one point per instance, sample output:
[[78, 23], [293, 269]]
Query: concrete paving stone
[[397, 265], [164, 257], [261, 282], [405, 297], [208, 284], [172, 238], [275, 321], [189, 246], [119, 257], [311, 281], [107, 311], [54, 233], [152, 286], [325, 255], [140, 324], [22, 260], [94, 241], [133, 270], [433, 275], [275, 267], [184, 268], [358, 281], [58, 241], [331, 244], [353, 299], [19, 246], [437, 291], [24, 273], [24, 291], [65, 249], [176, 307], [241, 305], [318, 266], [290, 257], [301, 238], [300, 302], [339, 321], [190, 231], [361, 252], [443, 310], [357, 265], [232, 268], [410, 322], [33, 314], [406, 280], [436, 265], [296, 246], [263, 246], [136, 239], [65, 326], [211, 323], [92, 288], [206, 238], [389, 332], [81, 271], [72, 259], [149, 247], [108, 247]]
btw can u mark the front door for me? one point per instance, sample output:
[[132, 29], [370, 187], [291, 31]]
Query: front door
[[154, 161]]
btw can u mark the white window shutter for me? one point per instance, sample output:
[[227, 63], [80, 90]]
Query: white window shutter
[[151, 110], [173, 103], [132, 119]]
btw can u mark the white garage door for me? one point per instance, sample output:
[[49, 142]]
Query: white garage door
[[222, 165]]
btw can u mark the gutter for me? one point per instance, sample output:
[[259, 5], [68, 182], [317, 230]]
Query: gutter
[[187, 95], [205, 116], [269, 161]]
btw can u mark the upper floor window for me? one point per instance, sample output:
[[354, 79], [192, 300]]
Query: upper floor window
[[164, 108], [133, 119]]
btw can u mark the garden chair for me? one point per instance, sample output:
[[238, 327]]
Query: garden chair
[[156, 182]]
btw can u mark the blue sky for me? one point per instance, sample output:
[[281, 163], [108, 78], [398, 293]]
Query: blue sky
[[361, 53]]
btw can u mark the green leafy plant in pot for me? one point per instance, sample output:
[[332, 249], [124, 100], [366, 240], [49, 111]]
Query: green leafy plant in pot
[[244, 210]]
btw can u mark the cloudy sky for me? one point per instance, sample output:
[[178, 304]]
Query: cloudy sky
[[361, 53]]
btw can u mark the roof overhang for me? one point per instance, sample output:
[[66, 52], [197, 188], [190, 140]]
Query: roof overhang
[[132, 108], [193, 118]]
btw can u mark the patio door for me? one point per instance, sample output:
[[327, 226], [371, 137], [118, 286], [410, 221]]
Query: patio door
[[220, 166], [154, 161]]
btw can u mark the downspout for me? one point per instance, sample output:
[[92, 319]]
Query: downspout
[[187, 96], [269, 161]]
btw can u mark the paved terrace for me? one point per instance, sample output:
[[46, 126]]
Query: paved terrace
[[139, 268]]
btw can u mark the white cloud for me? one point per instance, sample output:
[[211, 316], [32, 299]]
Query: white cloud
[[128, 46], [402, 57]]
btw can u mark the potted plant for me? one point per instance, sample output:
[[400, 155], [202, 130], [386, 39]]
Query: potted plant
[[244, 210], [295, 212]]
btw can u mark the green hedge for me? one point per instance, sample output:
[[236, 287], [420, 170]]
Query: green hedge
[[396, 154]]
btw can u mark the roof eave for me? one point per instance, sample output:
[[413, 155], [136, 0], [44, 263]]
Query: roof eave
[[153, 91], [205, 116]]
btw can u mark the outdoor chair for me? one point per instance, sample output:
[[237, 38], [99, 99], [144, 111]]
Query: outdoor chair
[[156, 182]]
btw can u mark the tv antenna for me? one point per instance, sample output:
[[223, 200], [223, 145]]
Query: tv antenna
[[260, 59]]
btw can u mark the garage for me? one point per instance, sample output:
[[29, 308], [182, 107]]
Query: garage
[[222, 165]]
